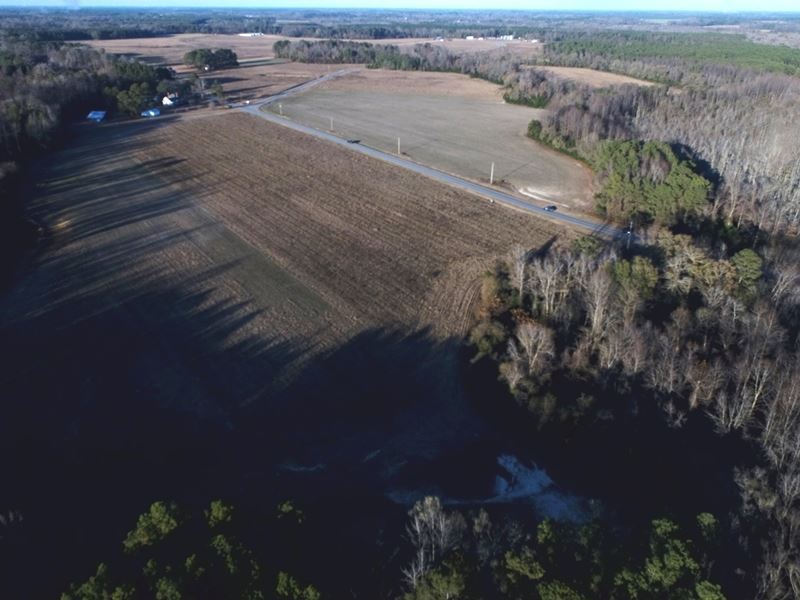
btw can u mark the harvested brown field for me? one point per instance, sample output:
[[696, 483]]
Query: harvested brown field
[[250, 82], [594, 78], [226, 306], [330, 212], [170, 49], [448, 121], [238, 254]]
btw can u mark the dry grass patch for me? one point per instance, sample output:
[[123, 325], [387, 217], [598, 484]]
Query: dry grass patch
[[594, 78], [449, 121]]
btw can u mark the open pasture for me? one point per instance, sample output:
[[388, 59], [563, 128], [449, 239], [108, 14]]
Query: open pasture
[[447, 121]]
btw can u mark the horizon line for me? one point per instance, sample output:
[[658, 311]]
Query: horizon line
[[229, 6]]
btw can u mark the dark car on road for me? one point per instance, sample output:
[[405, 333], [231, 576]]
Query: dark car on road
[[551, 208]]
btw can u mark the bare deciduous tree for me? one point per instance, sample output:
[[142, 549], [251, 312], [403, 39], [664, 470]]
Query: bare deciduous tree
[[546, 283], [518, 267], [597, 294], [537, 345], [513, 370], [667, 372], [433, 533]]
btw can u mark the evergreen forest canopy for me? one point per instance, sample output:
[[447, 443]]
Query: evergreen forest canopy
[[211, 59], [695, 48]]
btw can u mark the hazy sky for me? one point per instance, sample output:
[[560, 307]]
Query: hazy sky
[[690, 5]]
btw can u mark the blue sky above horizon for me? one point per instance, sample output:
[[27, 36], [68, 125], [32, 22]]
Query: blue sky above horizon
[[592, 5]]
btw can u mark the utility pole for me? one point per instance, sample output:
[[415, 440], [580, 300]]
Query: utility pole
[[491, 175], [398, 147], [331, 123], [280, 109]]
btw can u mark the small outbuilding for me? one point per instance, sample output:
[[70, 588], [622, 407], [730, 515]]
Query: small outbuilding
[[151, 112], [97, 116]]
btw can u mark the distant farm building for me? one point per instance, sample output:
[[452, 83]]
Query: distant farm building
[[151, 112], [254, 34], [97, 116]]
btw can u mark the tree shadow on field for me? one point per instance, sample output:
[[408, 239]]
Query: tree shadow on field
[[384, 391], [108, 407], [124, 381]]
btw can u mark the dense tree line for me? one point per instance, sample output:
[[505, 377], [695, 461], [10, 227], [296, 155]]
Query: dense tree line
[[86, 24], [729, 111], [696, 331], [740, 125], [44, 85], [340, 52], [54, 25], [604, 49], [174, 553], [703, 328], [423, 57]]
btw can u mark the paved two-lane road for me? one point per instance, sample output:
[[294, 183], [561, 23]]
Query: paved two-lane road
[[494, 195]]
